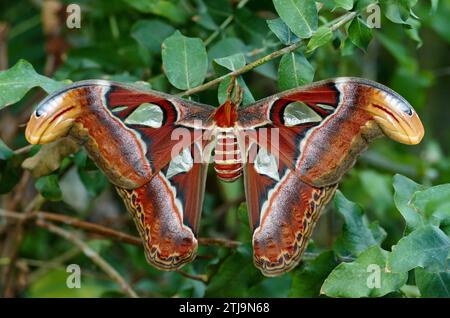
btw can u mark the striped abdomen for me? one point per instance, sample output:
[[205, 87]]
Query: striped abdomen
[[227, 158]]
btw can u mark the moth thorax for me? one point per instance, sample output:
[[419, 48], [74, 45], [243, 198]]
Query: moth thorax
[[227, 157]]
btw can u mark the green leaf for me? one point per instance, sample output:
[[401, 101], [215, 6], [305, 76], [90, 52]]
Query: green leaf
[[398, 11], [10, 173], [232, 62], [307, 280], [294, 71], [92, 178], [300, 15], [143, 32], [185, 60], [223, 87], [48, 186], [94, 181], [19, 79], [433, 203], [436, 285], [434, 5], [359, 33], [321, 37], [356, 236], [404, 190], [282, 31], [426, 247], [53, 283], [365, 277], [250, 28], [226, 47], [378, 233], [235, 275], [345, 4], [164, 8], [5, 152], [361, 5]]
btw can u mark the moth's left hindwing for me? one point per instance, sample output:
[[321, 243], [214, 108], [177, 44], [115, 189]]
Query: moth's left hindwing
[[314, 134]]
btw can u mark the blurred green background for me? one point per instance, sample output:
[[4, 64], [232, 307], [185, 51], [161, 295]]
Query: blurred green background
[[121, 40]]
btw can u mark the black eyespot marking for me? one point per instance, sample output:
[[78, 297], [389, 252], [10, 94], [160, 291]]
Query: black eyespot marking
[[409, 112], [38, 112]]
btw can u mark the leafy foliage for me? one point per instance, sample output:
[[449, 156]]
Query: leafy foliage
[[398, 228]]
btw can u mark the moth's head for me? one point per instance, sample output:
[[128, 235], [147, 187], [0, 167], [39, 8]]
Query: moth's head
[[54, 116], [395, 116]]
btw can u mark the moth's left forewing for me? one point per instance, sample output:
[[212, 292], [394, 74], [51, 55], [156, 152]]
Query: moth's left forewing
[[180, 122]]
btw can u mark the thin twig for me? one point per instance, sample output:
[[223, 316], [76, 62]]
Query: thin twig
[[56, 262], [218, 241], [288, 49], [200, 278], [12, 245], [103, 230], [91, 254], [23, 150], [224, 24]]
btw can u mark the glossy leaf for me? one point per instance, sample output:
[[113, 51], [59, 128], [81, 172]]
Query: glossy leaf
[[144, 31], [321, 37], [237, 273], [299, 15], [282, 31], [433, 284], [356, 236], [404, 190], [48, 186], [163, 8], [232, 62], [345, 4], [426, 247], [5, 152], [307, 280], [359, 33], [294, 71], [185, 61], [19, 79], [433, 203], [365, 277]]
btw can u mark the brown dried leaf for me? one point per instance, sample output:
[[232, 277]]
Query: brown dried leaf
[[49, 157]]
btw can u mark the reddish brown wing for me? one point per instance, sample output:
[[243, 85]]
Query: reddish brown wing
[[283, 211], [136, 130], [166, 211], [323, 127], [298, 145], [167, 208], [149, 145]]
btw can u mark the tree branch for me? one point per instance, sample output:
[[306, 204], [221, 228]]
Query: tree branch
[[103, 230], [91, 254], [288, 49], [200, 278]]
